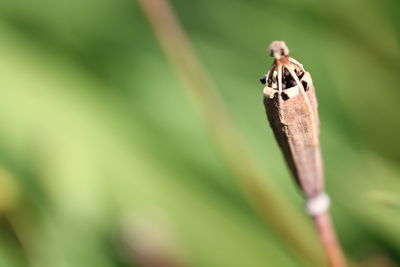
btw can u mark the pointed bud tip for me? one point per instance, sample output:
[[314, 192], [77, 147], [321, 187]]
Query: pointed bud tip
[[278, 49]]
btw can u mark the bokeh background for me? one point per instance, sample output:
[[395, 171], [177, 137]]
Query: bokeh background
[[113, 153]]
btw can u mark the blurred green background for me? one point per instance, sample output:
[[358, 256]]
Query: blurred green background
[[105, 160]]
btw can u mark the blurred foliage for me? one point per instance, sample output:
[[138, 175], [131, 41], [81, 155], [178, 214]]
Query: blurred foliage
[[98, 134]]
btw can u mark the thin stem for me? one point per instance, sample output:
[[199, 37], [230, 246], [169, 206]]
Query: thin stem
[[329, 240]]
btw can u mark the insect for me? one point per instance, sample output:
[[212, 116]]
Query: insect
[[291, 107]]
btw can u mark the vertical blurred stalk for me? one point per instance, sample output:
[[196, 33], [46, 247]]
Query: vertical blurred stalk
[[262, 192]]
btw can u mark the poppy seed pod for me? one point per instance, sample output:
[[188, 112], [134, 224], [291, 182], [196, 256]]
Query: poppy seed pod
[[291, 108]]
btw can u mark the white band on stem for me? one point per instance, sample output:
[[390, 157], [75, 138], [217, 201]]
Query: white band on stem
[[318, 204]]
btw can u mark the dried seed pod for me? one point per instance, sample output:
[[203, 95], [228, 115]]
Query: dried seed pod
[[291, 108], [292, 112]]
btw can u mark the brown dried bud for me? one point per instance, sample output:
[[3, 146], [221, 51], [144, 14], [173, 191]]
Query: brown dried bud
[[291, 108]]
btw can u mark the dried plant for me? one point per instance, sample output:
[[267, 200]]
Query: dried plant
[[262, 192], [291, 106]]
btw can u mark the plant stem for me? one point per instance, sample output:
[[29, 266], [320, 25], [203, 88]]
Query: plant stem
[[262, 191], [329, 240]]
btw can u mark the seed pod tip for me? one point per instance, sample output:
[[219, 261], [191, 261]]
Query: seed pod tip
[[278, 49]]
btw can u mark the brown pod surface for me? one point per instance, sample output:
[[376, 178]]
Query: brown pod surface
[[295, 124]]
